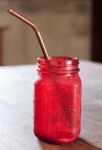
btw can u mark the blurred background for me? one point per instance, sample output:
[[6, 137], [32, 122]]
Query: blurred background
[[68, 27]]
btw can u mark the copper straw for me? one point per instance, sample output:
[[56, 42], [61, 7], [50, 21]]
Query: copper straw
[[33, 25]]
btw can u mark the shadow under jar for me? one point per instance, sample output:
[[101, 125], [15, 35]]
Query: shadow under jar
[[57, 99]]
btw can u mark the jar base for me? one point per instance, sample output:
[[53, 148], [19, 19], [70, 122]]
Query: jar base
[[56, 141]]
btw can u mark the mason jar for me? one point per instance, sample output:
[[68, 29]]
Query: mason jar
[[57, 99]]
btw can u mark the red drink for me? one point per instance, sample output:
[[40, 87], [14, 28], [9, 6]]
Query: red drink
[[57, 100]]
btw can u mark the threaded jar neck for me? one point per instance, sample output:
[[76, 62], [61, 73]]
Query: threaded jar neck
[[58, 65]]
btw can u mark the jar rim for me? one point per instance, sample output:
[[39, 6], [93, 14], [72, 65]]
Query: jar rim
[[61, 60], [58, 65]]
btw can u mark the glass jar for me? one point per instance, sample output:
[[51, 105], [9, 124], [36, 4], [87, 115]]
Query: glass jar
[[57, 99]]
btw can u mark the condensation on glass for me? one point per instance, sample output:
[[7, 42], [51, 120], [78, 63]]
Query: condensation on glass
[[57, 99]]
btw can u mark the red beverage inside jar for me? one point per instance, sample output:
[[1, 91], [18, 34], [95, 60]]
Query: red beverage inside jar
[[57, 100]]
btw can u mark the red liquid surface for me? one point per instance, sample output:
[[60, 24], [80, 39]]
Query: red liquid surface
[[57, 104]]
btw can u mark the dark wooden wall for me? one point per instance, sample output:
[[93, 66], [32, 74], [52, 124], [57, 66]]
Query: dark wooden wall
[[97, 30]]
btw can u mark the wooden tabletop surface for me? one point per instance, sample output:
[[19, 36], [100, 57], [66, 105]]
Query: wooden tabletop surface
[[16, 109]]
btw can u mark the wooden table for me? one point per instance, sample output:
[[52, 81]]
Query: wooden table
[[16, 109]]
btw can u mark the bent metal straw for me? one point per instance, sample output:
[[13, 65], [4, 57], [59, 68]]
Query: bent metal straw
[[35, 28]]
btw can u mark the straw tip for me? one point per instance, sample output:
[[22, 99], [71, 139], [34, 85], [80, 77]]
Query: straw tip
[[9, 10]]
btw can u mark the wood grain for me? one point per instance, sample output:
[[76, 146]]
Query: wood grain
[[16, 109]]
